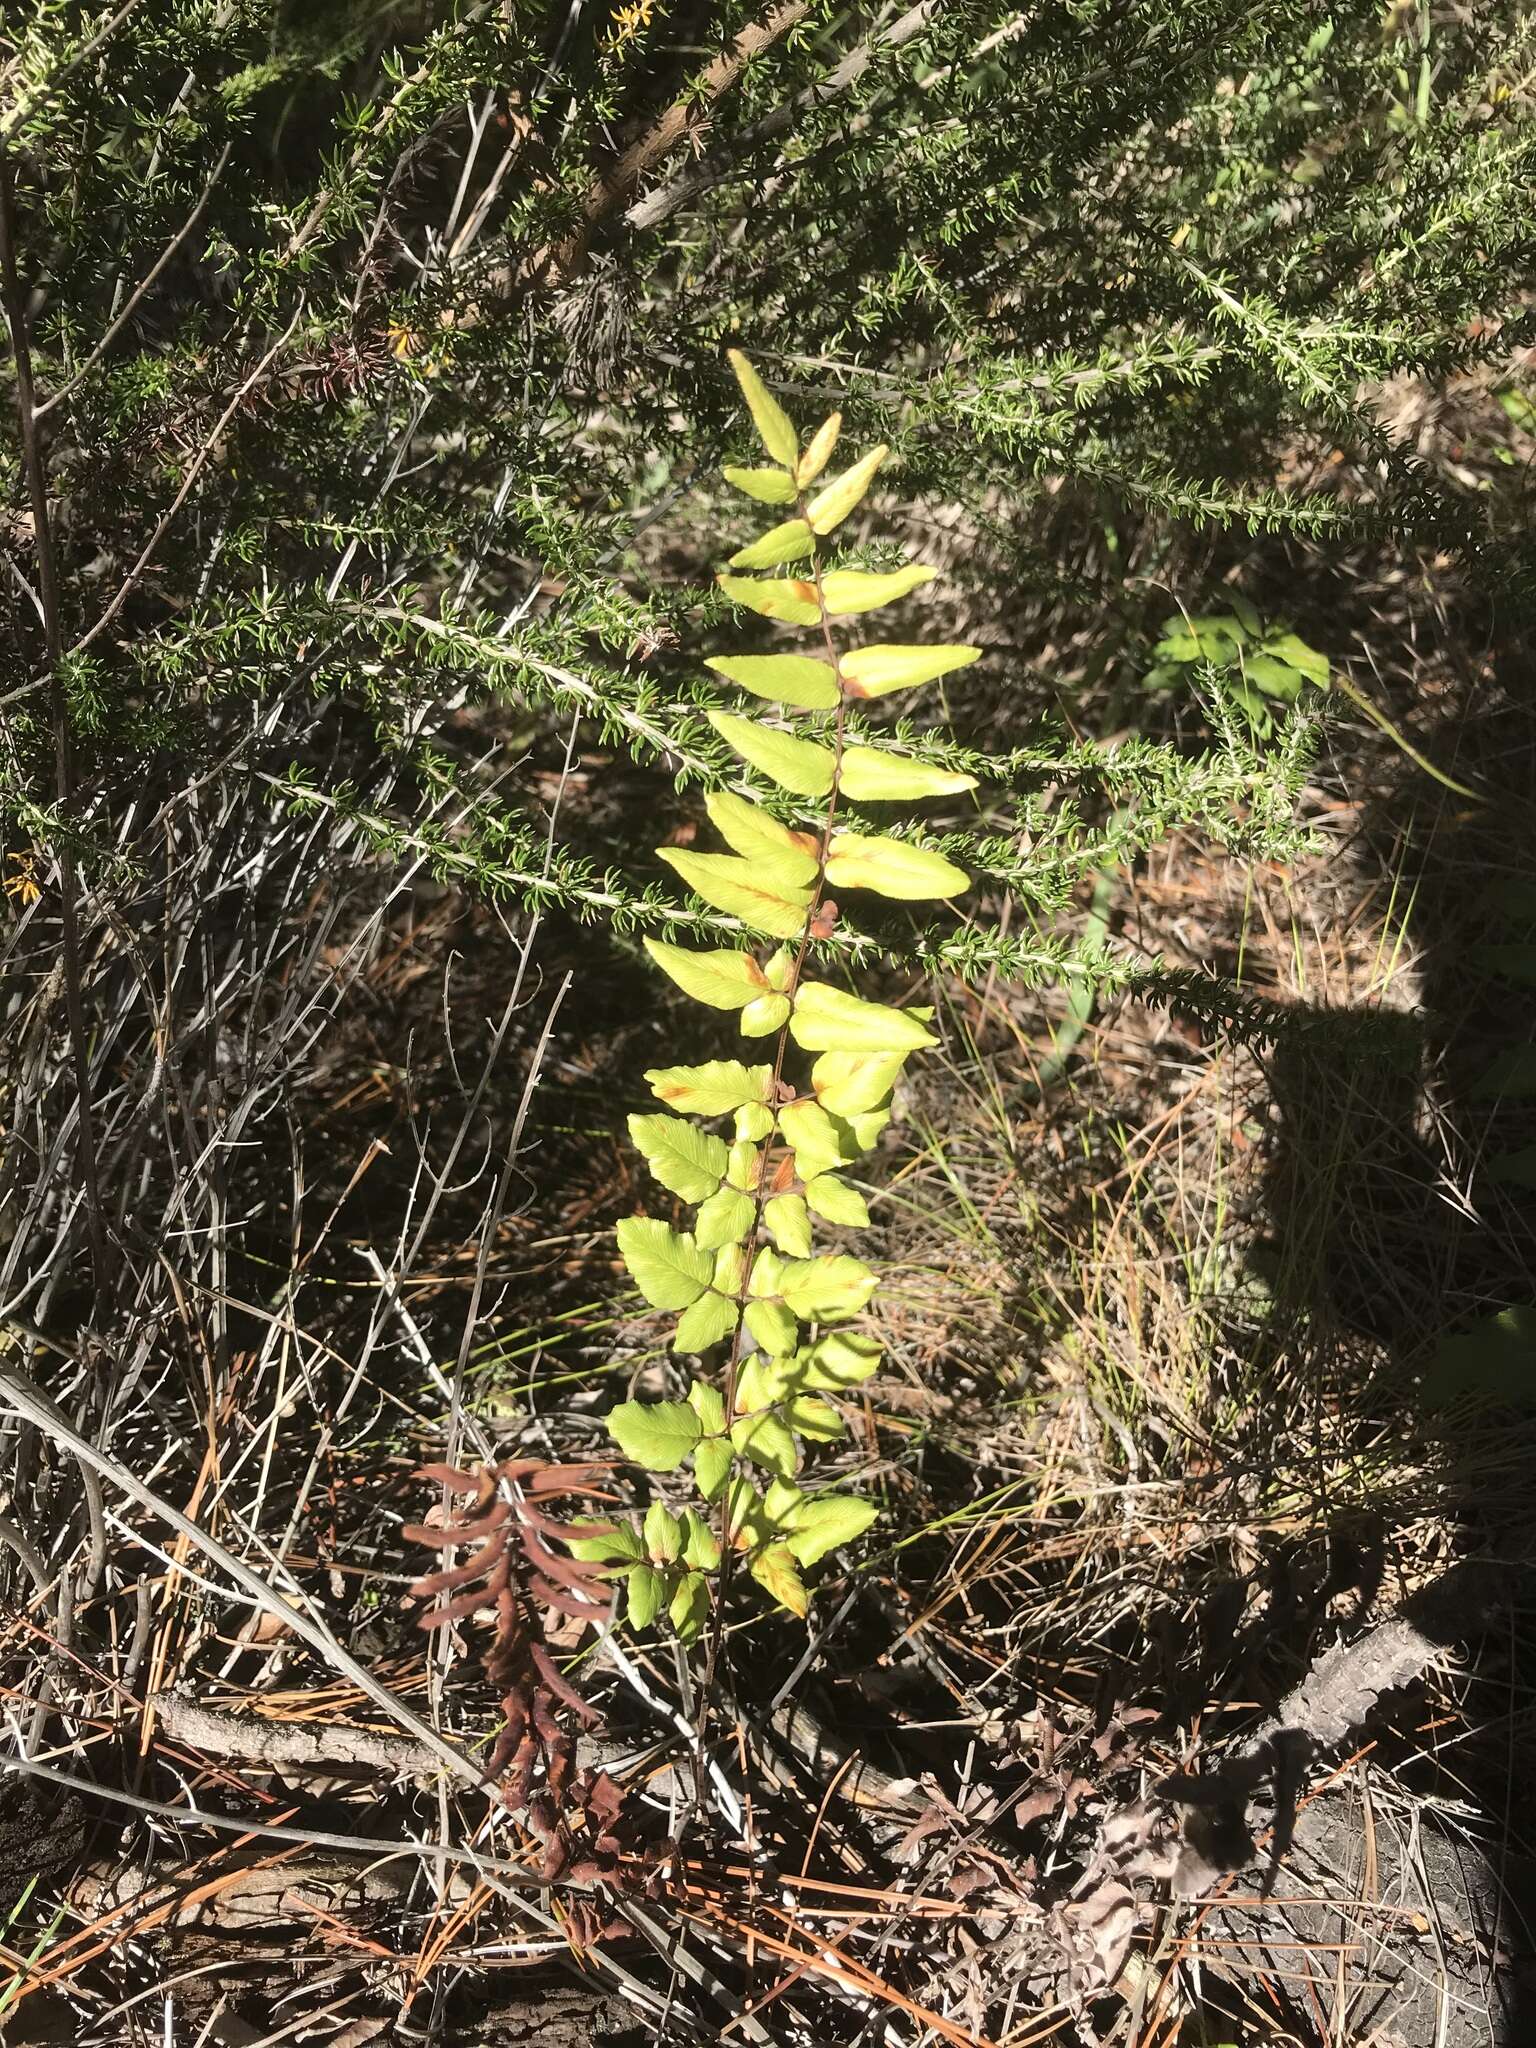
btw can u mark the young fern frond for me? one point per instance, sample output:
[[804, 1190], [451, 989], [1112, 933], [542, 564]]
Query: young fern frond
[[748, 1274]]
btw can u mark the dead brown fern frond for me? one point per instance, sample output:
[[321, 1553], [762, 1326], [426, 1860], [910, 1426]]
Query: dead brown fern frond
[[519, 1573]]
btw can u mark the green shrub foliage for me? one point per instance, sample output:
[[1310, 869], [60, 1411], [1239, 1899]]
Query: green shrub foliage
[[373, 341]]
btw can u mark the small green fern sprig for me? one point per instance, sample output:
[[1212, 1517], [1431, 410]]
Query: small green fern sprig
[[748, 1275]]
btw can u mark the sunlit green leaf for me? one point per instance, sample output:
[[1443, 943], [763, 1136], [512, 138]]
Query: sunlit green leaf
[[768, 1441], [764, 1016], [754, 1120], [864, 590], [782, 1502], [786, 857], [1217, 637], [699, 1546], [1178, 646], [1274, 678], [768, 486], [1295, 653], [774, 1570], [690, 1607], [712, 1463], [858, 1131], [811, 1132], [619, 1544], [817, 1421], [772, 1325], [725, 980], [663, 1534], [711, 1466], [894, 868], [647, 1591], [863, 1126], [767, 1270], [828, 1019], [724, 1219], [760, 1382], [707, 1404], [712, 1089], [795, 679], [835, 1200], [730, 1270], [789, 1224], [827, 1289], [744, 1165], [709, 1320], [832, 505], [876, 671], [684, 1159], [785, 598], [774, 427], [745, 1522], [839, 1359], [741, 888], [667, 1266], [655, 1435], [871, 775], [827, 1523], [847, 1083], [786, 542], [819, 450], [798, 765]]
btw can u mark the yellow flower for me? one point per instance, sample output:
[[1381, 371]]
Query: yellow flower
[[628, 22], [22, 885]]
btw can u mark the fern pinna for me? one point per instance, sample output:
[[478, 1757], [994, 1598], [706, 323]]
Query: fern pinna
[[747, 1276]]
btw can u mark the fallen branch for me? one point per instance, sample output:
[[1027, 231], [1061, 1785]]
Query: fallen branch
[[18, 1394], [279, 1745], [1335, 1698], [1194, 1830]]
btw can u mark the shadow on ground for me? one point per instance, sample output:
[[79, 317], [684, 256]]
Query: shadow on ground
[[1394, 1223]]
